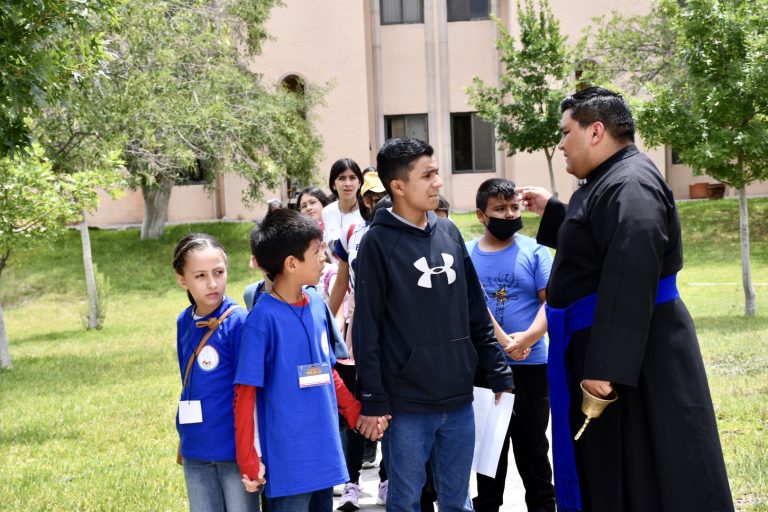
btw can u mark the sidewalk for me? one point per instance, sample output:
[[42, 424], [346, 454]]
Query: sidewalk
[[514, 493]]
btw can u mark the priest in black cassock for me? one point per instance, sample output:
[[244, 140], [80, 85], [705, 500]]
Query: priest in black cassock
[[616, 323]]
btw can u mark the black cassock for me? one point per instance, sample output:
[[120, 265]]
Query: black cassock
[[656, 448]]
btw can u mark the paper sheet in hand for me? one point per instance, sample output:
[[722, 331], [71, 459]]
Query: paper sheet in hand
[[491, 422]]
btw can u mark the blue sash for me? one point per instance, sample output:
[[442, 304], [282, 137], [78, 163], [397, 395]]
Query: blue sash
[[561, 324]]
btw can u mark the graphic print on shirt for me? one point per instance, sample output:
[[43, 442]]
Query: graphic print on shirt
[[208, 358], [425, 281], [500, 289]]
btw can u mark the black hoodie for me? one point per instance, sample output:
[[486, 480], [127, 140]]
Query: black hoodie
[[421, 324]]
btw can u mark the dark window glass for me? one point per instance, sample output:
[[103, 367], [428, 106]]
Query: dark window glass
[[468, 10], [473, 144], [461, 130], [401, 11], [482, 141]]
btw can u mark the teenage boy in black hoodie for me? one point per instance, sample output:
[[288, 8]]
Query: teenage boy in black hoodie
[[421, 329]]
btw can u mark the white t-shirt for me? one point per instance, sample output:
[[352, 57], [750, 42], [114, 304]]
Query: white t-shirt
[[336, 224]]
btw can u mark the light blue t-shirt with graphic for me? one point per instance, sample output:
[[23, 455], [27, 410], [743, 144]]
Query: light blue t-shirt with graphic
[[511, 279]]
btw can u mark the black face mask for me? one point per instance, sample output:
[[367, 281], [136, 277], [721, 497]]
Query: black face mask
[[504, 229]]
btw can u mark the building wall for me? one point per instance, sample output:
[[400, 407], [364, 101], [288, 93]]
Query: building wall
[[370, 71]]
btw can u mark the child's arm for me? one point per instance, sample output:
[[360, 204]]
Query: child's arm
[[523, 341], [348, 406], [246, 432]]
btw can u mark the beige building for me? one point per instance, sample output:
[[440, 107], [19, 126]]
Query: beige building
[[393, 68]]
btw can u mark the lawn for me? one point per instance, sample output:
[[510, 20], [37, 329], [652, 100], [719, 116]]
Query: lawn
[[86, 418]]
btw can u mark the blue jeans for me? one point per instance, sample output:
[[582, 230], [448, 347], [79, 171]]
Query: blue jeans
[[447, 441], [217, 487], [317, 501]]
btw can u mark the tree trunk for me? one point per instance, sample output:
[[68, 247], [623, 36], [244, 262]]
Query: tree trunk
[[551, 171], [746, 272], [156, 199], [5, 354], [90, 276]]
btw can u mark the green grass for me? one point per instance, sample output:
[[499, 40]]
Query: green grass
[[86, 418]]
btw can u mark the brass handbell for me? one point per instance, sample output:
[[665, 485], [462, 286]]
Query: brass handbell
[[593, 407]]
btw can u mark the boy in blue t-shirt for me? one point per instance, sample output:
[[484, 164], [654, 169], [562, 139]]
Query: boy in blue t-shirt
[[514, 271], [285, 366], [421, 330]]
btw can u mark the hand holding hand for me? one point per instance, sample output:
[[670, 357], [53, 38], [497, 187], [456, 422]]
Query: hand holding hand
[[372, 427], [255, 485], [534, 199], [383, 422]]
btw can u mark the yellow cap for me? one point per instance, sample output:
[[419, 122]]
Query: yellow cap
[[372, 183]]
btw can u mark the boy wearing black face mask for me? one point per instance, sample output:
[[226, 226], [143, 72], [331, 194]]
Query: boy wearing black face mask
[[514, 270]]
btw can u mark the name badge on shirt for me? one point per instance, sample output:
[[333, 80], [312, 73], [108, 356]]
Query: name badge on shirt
[[190, 411], [316, 374]]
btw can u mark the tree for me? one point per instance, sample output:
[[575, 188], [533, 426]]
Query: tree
[[187, 106], [45, 45], [70, 132], [713, 110], [525, 109], [37, 204]]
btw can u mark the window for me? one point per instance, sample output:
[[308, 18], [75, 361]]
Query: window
[[472, 140], [201, 173], [414, 125], [468, 10], [402, 11]]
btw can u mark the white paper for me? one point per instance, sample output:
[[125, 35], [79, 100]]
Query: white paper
[[491, 422], [190, 411]]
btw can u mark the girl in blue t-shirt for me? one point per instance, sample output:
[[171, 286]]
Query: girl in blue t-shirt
[[205, 418]]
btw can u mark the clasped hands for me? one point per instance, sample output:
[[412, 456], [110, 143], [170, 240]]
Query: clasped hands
[[373, 427], [255, 485], [517, 346]]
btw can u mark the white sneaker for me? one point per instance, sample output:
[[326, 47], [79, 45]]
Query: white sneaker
[[381, 499], [349, 498]]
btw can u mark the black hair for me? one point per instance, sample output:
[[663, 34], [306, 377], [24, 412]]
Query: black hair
[[368, 169], [598, 104], [280, 234], [193, 242], [494, 187], [338, 167], [313, 191], [396, 158], [384, 202], [442, 204]]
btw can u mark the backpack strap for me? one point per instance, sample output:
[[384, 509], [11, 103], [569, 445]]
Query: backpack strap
[[212, 324]]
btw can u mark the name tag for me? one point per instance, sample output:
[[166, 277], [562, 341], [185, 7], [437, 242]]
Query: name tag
[[190, 411], [317, 374]]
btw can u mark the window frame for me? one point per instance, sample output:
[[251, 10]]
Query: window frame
[[402, 21], [470, 18], [474, 170], [405, 117]]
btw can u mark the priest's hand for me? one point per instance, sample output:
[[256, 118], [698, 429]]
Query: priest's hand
[[598, 388], [534, 199]]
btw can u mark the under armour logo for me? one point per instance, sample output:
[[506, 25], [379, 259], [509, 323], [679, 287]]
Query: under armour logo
[[425, 281]]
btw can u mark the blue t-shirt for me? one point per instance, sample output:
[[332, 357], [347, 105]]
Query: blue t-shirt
[[211, 380], [511, 279], [298, 427]]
